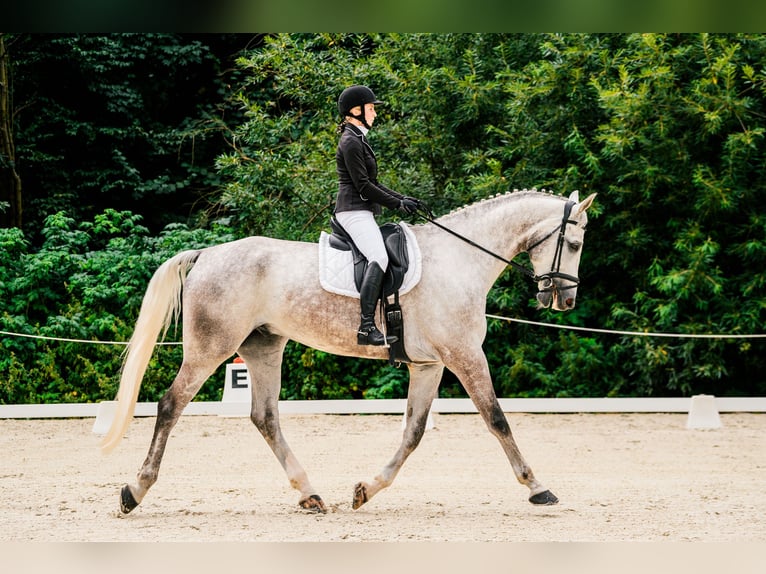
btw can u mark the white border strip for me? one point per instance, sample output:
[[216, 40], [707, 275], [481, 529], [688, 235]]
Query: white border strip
[[397, 406]]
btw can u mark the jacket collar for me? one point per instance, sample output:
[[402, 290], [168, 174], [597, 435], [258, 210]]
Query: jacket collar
[[358, 130]]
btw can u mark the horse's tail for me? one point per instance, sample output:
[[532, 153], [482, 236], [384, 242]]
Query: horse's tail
[[161, 305]]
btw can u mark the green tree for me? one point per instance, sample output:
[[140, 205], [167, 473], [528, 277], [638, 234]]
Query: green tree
[[10, 182], [85, 282], [121, 121], [668, 128]]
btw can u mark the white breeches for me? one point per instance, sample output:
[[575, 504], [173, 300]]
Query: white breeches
[[364, 230]]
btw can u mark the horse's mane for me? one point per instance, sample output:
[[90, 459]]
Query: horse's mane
[[489, 201]]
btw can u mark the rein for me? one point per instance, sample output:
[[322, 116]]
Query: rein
[[425, 213]]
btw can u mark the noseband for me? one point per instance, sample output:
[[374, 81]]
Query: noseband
[[548, 278]]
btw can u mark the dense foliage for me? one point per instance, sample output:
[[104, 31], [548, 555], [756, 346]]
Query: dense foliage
[[85, 282], [120, 121], [667, 128]]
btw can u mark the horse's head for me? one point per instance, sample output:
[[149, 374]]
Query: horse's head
[[555, 254]]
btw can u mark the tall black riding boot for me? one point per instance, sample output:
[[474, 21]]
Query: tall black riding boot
[[369, 292]]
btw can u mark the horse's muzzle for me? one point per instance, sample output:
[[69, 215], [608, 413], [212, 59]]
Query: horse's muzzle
[[551, 294]]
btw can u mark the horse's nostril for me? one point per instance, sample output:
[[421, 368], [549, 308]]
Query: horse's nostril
[[569, 302]]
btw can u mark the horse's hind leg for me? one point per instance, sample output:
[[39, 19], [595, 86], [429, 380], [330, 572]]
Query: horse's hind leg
[[473, 372], [424, 384], [188, 381], [263, 357]]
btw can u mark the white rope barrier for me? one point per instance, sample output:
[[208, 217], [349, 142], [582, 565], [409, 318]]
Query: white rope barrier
[[633, 333], [65, 340], [497, 317]]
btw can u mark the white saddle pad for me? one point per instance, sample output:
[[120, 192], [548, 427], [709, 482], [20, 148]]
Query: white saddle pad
[[336, 267]]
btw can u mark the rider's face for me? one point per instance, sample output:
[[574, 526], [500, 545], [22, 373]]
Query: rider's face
[[369, 113]]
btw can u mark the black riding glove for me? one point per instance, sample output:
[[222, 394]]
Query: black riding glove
[[409, 205]]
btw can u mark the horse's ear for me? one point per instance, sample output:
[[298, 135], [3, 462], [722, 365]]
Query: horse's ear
[[574, 196], [585, 204]]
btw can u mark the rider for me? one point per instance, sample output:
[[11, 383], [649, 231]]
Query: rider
[[360, 196]]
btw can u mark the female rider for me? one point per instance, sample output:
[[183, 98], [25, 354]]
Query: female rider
[[360, 196]]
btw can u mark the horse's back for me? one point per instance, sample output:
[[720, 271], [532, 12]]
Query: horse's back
[[252, 256], [242, 275]]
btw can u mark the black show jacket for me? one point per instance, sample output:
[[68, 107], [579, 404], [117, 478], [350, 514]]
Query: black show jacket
[[358, 185]]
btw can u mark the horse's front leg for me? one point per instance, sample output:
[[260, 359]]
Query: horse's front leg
[[424, 384], [263, 357], [472, 370]]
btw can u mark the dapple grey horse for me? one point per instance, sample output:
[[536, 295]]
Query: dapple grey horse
[[252, 295]]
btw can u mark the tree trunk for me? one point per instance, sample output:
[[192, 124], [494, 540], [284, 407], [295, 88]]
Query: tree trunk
[[10, 182]]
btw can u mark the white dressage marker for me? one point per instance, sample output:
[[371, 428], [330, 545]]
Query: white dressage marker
[[703, 413]]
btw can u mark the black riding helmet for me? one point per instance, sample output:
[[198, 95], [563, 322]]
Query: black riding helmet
[[356, 96]]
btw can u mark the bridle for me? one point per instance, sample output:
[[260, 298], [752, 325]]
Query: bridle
[[546, 278], [555, 272]]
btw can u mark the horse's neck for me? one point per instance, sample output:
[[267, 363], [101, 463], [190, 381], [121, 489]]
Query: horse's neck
[[502, 224]]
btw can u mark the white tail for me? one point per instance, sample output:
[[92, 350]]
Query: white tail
[[161, 305]]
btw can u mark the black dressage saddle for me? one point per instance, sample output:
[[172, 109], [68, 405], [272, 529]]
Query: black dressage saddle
[[396, 246], [398, 262]]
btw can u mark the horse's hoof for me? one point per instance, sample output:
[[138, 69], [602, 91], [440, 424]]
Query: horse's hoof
[[360, 495], [545, 498], [313, 503], [127, 502]]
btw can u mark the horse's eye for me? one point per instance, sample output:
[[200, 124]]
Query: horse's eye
[[574, 245]]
